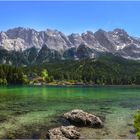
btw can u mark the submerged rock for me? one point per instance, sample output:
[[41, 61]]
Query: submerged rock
[[81, 118], [133, 131], [130, 124], [63, 132]]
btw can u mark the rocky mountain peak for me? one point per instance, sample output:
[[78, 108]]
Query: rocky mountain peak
[[3, 36], [119, 31], [120, 38], [101, 31], [75, 39], [105, 40], [71, 46], [51, 32]]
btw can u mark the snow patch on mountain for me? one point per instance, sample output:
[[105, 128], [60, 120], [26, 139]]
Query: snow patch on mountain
[[116, 41]]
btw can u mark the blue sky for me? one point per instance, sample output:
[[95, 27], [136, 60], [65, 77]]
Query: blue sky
[[71, 16]]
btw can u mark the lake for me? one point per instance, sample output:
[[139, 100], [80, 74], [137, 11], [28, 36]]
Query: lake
[[28, 112]]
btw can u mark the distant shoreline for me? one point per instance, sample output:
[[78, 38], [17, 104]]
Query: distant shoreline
[[83, 85], [71, 85]]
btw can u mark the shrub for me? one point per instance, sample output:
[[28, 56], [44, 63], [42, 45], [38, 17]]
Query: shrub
[[3, 81], [137, 123]]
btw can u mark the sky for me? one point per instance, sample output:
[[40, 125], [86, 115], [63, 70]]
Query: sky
[[71, 16]]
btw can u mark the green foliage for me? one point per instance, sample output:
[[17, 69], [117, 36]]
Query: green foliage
[[44, 74], [39, 77], [50, 79], [3, 81], [25, 79], [137, 123], [11, 75], [46, 77], [106, 70]]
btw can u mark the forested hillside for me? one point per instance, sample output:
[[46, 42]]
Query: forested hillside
[[12, 75], [107, 69]]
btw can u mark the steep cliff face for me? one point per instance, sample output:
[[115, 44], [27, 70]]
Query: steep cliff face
[[54, 45]]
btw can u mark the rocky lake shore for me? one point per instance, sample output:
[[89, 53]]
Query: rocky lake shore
[[75, 118]]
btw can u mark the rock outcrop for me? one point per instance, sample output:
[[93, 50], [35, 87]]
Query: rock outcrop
[[80, 118], [63, 132], [117, 42]]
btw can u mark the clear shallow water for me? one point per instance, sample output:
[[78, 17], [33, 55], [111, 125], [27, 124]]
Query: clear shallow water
[[28, 112]]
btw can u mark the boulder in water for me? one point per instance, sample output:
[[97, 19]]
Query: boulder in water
[[63, 132], [80, 118]]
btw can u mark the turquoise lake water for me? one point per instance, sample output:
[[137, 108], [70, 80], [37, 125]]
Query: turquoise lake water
[[28, 112]]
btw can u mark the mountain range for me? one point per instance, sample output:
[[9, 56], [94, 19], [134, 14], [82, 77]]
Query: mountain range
[[27, 46]]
